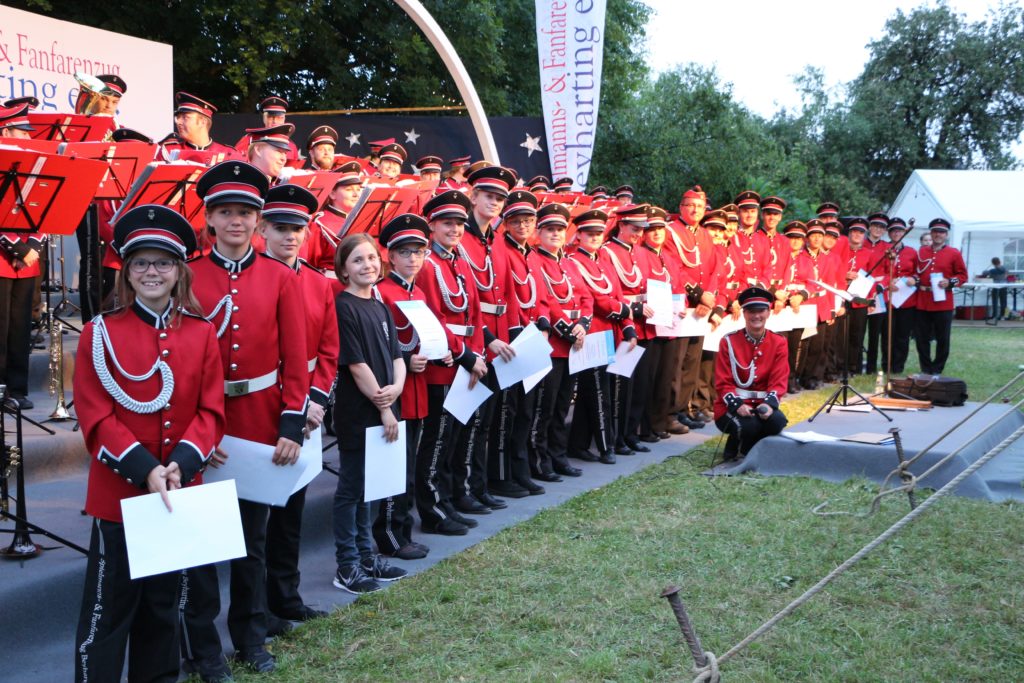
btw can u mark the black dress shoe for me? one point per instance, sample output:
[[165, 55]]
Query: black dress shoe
[[690, 421], [445, 527], [492, 502], [663, 435], [793, 387], [303, 613], [677, 427], [214, 670], [548, 477], [649, 438], [465, 521], [624, 450], [508, 489], [471, 506], [277, 626], [23, 402], [635, 445], [585, 456], [411, 551], [257, 659], [533, 488], [568, 470], [608, 458]]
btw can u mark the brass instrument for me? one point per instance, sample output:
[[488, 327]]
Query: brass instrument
[[60, 412], [90, 89]]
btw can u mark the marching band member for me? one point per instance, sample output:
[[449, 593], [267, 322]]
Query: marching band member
[[773, 244], [562, 186], [407, 239], [325, 230], [193, 120], [139, 446], [935, 318], [878, 224], [857, 259], [750, 378], [389, 165], [812, 364], [268, 149], [571, 307], [905, 264], [429, 168], [798, 272], [256, 304], [538, 184], [456, 177], [750, 248], [286, 213], [624, 193], [447, 285], [320, 146], [274, 110], [835, 248], [593, 416]]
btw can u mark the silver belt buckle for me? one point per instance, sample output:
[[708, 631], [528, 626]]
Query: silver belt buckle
[[239, 388]]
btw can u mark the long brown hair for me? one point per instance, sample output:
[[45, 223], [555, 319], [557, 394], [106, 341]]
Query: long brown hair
[[345, 248], [184, 298]]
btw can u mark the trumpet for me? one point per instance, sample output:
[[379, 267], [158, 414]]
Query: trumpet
[[90, 90], [60, 412]]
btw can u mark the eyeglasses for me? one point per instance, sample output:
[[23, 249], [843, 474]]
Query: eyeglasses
[[141, 265], [408, 252]]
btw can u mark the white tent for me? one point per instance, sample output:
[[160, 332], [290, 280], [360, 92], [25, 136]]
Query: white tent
[[984, 207]]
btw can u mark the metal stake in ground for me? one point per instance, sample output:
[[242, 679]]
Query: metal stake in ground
[[905, 476], [672, 594]]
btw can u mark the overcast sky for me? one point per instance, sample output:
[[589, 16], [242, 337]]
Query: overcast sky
[[759, 46]]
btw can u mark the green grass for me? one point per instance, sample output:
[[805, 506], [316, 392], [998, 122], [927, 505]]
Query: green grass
[[573, 594]]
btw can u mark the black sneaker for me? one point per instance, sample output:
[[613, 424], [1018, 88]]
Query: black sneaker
[[354, 580], [213, 670], [380, 569], [257, 659]]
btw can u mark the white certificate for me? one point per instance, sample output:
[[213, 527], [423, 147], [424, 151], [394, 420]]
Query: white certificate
[[384, 464], [861, 287], [205, 527], [433, 341], [462, 401], [845, 296], [313, 464], [534, 379], [659, 298], [902, 292], [257, 478], [625, 360], [807, 317], [938, 293], [598, 349], [533, 354], [878, 304], [713, 339], [783, 321]]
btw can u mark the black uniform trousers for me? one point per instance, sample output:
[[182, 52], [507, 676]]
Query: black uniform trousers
[[119, 613], [877, 326], [469, 466], [622, 393], [687, 375], [645, 379], [16, 331], [284, 529], [433, 485], [509, 459], [704, 396], [857, 323], [749, 430], [591, 415], [550, 432], [812, 356], [933, 325], [247, 613], [667, 353], [794, 346], [903, 321], [392, 529]]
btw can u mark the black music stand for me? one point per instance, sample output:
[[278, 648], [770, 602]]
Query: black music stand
[[70, 127], [22, 547], [170, 185]]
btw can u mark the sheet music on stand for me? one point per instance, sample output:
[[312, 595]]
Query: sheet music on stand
[[170, 185], [125, 160], [375, 207], [319, 183], [70, 127], [45, 193]]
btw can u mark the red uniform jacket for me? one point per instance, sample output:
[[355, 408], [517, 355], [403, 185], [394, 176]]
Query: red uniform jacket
[[450, 293], [611, 311], [775, 258], [620, 259], [391, 290], [323, 239], [798, 273], [752, 253], [242, 147], [322, 342], [733, 273], [126, 445], [763, 365], [820, 271], [257, 307], [569, 299], [658, 266], [490, 277], [857, 260], [947, 261], [14, 246], [531, 300], [213, 153], [696, 252], [905, 265]]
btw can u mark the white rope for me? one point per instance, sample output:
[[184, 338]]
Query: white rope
[[101, 341], [228, 307]]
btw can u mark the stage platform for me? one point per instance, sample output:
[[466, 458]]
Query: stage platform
[[838, 461]]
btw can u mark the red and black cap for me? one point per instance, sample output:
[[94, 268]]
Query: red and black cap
[[115, 84], [599, 192], [496, 179], [233, 182], [594, 220], [795, 229], [773, 203], [635, 215], [376, 145], [15, 117], [129, 135], [896, 223], [186, 102], [554, 216], [657, 218], [520, 202], [322, 135], [405, 228], [625, 191], [878, 219], [857, 223], [273, 105], [278, 136], [289, 204], [539, 183], [448, 204], [715, 220], [815, 225], [695, 192], [562, 185], [458, 162], [731, 213], [349, 173], [940, 224], [833, 229], [32, 102], [828, 210], [755, 297], [748, 199], [152, 226], [393, 152], [429, 164]]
